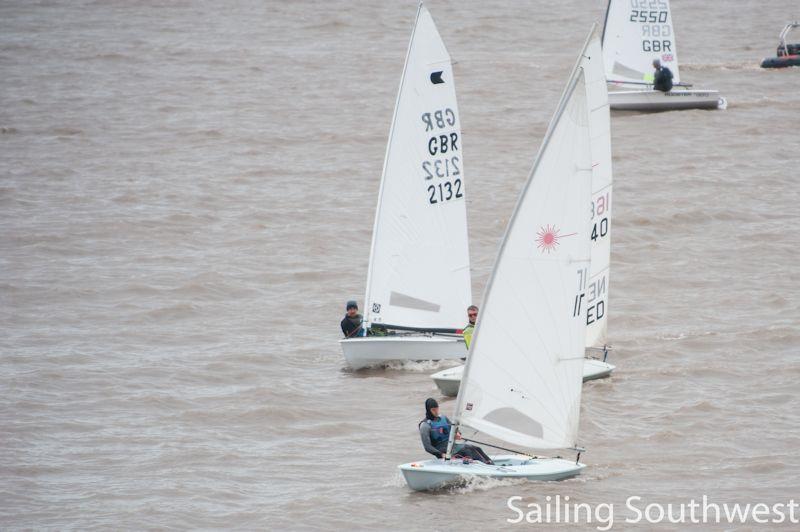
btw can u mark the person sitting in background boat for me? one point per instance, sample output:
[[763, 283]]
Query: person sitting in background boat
[[662, 80], [352, 324], [434, 431], [472, 315]]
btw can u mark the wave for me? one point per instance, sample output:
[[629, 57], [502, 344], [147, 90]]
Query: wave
[[731, 65]]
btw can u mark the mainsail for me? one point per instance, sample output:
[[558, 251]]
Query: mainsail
[[635, 33], [600, 228], [522, 379], [419, 274]]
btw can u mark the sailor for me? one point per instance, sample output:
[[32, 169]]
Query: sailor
[[662, 79], [472, 315], [352, 322], [434, 431]]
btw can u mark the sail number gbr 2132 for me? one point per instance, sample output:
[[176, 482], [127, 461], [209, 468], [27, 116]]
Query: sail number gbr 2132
[[442, 167]]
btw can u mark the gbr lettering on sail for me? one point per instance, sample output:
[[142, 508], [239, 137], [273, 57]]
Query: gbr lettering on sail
[[656, 26], [441, 169]]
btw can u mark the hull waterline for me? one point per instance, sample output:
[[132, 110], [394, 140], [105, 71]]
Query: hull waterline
[[437, 474], [674, 100], [381, 350]]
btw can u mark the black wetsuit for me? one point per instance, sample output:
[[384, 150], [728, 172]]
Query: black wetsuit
[[662, 81], [351, 327]]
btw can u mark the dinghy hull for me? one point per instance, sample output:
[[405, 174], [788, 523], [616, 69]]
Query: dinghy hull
[[596, 369], [436, 474], [381, 350], [448, 380], [674, 100]]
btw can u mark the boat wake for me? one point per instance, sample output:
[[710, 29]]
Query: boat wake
[[422, 366], [738, 66], [474, 483], [466, 484]]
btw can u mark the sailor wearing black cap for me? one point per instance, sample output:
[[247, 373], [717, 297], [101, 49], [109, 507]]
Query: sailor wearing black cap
[[352, 322]]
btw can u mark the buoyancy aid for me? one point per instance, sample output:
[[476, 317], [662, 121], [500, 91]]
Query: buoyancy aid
[[467, 333], [440, 430]]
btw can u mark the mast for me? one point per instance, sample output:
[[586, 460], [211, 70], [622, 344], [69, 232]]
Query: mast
[[367, 311]]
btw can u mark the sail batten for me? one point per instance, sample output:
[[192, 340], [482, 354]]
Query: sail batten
[[522, 380], [419, 275]]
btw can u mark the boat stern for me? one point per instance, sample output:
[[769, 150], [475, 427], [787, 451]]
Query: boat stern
[[448, 380]]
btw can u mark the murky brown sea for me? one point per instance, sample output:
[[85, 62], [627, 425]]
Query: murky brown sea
[[186, 201]]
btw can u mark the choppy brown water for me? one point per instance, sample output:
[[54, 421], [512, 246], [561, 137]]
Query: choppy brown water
[[186, 196]]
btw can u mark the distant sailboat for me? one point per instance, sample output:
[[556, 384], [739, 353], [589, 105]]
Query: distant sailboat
[[418, 283], [637, 32], [522, 379], [596, 296]]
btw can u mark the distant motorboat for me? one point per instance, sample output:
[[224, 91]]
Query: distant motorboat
[[788, 54]]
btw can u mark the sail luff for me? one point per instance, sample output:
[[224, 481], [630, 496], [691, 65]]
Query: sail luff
[[367, 311], [602, 202]]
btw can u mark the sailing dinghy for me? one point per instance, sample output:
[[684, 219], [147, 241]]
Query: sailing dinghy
[[636, 32], [522, 379], [418, 282], [448, 380], [596, 299]]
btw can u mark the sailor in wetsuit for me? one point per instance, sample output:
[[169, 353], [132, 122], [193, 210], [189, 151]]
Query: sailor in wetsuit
[[662, 79], [434, 431], [352, 324]]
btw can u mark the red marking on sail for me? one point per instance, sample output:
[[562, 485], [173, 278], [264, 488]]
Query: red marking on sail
[[547, 238]]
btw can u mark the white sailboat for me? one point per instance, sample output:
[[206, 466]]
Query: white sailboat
[[596, 298], [636, 32], [418, 283], [448, 380], [522, 380]]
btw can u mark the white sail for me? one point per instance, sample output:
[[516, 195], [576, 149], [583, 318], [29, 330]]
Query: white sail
[[522, 380], [419, 263], [636, 32], [600, 229]]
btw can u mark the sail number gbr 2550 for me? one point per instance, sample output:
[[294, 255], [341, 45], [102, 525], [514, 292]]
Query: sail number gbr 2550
[[442, 170]]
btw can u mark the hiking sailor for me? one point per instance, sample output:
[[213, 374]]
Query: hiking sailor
[[434, 431]]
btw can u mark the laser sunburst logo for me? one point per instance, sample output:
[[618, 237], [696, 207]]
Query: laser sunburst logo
[[547, 238]]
